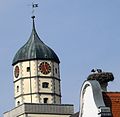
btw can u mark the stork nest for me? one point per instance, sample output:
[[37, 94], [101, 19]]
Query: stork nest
[[101, 77]]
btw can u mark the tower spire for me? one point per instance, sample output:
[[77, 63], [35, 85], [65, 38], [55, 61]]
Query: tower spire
[[33, 18]]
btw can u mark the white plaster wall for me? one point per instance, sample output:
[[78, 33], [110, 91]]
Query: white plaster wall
[[35, 98], [17, 93], [9, 115], [24, 66], [26, 86], [89, 106], [18, 99], [31, 98], [50, 98], [33, 68], [91, 99], [45, 90], [23, 69], [27, 99], [34, 85]]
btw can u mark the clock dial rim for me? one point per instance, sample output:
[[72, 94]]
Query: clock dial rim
[[16, 71], [45, 68]]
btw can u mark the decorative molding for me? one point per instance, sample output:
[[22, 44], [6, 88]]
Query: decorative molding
[[43, 93], [45, 77]]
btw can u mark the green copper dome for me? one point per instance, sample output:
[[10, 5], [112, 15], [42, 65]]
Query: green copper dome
[[35, 49]]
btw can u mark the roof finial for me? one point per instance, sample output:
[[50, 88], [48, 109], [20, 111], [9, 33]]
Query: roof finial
[[33, 17], [34, 5]]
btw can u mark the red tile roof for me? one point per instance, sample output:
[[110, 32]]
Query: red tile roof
[[112, 100]]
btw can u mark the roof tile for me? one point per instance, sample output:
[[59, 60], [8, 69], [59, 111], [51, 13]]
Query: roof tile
[[112, 100]]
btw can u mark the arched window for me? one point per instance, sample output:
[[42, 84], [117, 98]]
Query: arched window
[[17, 88], [18, 103], [45, 100], [45, 85]]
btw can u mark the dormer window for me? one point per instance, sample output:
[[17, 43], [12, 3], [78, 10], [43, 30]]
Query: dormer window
[[45, 85]]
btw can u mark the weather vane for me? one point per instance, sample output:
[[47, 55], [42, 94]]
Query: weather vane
[[34, 5]]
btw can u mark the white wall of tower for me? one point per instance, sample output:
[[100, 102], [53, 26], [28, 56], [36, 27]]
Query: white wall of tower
[[28, 85], [34, 64]]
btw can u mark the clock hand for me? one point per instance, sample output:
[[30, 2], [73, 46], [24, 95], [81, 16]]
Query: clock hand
[[46, 66]]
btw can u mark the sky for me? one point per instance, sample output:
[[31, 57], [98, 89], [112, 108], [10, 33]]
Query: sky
[[85, 34]]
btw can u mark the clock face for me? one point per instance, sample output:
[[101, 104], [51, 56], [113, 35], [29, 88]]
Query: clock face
[[16, 72], [45, 68]]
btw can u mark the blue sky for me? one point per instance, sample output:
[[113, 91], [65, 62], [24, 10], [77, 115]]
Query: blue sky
[[85, 34]]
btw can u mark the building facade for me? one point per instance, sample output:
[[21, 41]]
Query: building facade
[[95, 100]]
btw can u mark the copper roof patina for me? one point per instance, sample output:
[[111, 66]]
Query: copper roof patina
[[35, 49]]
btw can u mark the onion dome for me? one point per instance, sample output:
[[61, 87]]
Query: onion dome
[[35, 49]]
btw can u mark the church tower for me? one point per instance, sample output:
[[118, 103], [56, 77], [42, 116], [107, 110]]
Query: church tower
[[36, 73]]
